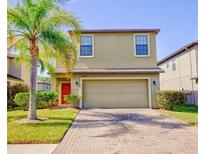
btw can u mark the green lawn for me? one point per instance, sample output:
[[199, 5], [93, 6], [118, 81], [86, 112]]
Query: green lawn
[[48, 131], [187, 113]]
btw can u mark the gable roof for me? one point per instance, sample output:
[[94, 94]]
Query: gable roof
[[179, 51], [118, 31]]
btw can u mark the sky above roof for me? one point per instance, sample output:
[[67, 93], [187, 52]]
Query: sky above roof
[[177, 19]]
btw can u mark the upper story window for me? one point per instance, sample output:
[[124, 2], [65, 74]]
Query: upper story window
[[86, 46], [173, 64], [141, 45], [167, 64]]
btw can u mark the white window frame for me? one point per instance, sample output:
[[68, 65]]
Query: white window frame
[[148, 43], [92, 47]]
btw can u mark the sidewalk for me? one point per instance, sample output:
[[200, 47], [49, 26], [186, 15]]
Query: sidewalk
[[30, 148]]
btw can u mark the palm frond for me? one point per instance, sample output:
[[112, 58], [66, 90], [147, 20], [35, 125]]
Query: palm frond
[[59, 19], [41, 65], [28, 5], [42, 9], [14, 43], [18, 19], [43, 21]]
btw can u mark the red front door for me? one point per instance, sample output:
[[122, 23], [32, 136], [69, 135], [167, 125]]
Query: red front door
[[65, 91]]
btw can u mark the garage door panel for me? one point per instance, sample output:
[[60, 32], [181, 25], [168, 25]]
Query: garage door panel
[[115, 93]]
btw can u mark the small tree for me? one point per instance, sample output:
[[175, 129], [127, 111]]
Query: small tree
[[35, 28]]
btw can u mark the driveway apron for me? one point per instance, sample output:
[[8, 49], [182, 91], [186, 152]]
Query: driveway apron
[[127, 131]]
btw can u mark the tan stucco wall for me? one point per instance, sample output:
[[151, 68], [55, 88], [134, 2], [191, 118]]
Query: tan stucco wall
[[25, 74], [13, 68], [76, 78], [186, 68], [18, 70], [116, 50]]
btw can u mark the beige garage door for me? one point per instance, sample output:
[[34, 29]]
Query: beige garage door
[[115, 94]]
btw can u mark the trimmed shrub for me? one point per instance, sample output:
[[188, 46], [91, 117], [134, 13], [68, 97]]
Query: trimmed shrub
[[12, 91], [74, 100], [22, 99], [43, 100], [167, 99]]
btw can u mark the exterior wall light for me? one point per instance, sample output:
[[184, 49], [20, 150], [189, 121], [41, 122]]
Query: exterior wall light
[[76, 84], [154, 83]]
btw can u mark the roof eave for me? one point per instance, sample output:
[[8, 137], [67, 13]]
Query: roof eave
[[179, 51], [156, 31], [13, 77], [116, 71]]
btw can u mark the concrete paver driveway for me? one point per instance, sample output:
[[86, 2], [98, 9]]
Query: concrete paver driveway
[[128, 131]]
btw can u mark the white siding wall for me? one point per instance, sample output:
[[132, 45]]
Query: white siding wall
[[186, 68]]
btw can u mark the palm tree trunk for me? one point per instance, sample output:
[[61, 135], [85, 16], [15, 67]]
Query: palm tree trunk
[[33, 76]]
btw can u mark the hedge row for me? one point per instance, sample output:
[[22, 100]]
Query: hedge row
[[12, 90], [43, 100], [167, 99]]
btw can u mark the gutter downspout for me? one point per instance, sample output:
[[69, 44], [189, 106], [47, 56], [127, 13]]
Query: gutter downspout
[[192, 85]]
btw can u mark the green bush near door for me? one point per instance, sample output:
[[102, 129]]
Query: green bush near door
[[74, 100]]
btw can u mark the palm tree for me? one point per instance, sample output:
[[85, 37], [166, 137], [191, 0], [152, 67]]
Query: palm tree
[[36, 28]]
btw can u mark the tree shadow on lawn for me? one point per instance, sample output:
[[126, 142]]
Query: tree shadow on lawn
[[57, 122], [60, 118], [122, 122], [13, 118], [49, 124]]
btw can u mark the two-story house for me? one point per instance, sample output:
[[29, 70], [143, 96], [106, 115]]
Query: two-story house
[[181, 71], [115, 68]]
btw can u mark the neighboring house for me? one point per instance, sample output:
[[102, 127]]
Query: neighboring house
[[43, 85], [16, 73], [115, 68], [181, 71]]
